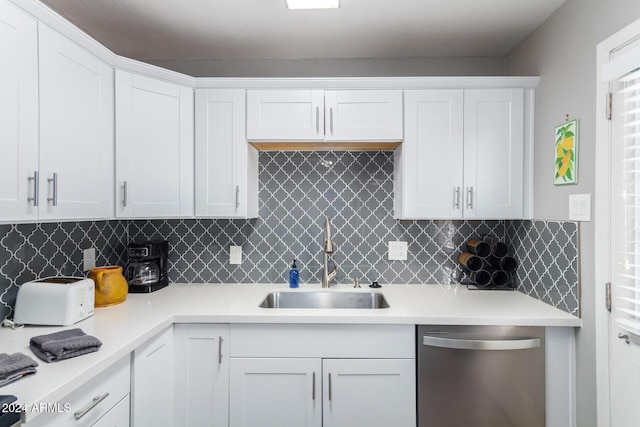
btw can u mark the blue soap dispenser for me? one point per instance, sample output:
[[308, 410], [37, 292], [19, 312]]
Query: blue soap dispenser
[[293, 276]]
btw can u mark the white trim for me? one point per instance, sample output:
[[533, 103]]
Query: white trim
[[368, 82], [601, 225]]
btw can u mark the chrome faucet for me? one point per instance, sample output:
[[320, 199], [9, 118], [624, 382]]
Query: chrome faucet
[[327, 276]]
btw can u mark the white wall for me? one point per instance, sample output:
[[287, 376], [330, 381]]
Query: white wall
[[355, 67], [563, 52]]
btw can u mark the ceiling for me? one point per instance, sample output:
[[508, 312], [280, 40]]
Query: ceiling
[[150, 30]]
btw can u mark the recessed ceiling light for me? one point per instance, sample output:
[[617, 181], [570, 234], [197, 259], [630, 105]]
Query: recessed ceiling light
[[313, 4]]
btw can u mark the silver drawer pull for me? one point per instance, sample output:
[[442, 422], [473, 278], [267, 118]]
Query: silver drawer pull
[[478, 344], [313, 386], [54, 181], [96, 401], [219, 350], [124, 194], [36, 188]]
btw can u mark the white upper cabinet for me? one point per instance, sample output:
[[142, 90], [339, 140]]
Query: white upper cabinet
[[317, 115], [363, 115], [429, 169], [285, 115], [18, 114], [76, 131], [226, 165], [463, 155], [493, 153], [154, 148]]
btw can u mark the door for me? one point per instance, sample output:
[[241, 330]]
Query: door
[[281, 115], [154, 148], [624, 229], [153, 382], [226, 165], [389, 400], [363, 115], [493, 153], [18, 115], [429, 181], [76, 131], [275, 392], [202, 375]]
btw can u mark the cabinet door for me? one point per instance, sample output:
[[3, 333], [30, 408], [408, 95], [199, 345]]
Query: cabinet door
[[154, 148], [493, 153], [369, 393], [202, 375], [18, 114], [275, 393], [76, 131], [363, 115], [152, 391], [226, 165], [282, 115], [428, 164]]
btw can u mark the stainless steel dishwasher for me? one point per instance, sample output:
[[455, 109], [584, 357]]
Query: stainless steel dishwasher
[[481, 376]]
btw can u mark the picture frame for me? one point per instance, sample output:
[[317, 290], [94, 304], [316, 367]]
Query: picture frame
[[566, 153]]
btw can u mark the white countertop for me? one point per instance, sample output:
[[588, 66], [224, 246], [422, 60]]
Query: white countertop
[[124, 327]]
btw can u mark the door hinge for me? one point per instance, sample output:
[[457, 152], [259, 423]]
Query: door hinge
[[609, 105], [608, 295]]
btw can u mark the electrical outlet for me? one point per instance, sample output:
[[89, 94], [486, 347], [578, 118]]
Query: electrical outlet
[[89, 259], [235, 254], [398, 251]]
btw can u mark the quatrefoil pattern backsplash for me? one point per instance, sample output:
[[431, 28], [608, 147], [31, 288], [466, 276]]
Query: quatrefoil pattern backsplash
[[296, 191]]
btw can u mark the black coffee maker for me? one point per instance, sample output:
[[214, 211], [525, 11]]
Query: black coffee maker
[[146, 270]]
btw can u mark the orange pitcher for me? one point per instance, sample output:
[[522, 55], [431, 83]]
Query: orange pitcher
[[111, 286]]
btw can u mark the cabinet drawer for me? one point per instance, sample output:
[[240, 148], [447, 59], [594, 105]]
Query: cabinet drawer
[[290, 340], [105, 390]]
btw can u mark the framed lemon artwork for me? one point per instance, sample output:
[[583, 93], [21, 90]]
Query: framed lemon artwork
[[566, 166]]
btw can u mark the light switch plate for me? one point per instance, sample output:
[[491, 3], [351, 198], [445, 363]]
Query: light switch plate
[[235, 255], [398, 251], [580, 207], [89, 259]]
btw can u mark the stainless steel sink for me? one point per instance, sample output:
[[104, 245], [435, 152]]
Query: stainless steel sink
[[324, 299]]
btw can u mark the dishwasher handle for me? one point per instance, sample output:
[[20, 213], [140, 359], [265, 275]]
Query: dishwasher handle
[[481, 344]]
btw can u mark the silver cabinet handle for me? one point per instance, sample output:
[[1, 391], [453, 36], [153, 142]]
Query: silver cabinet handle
[[313, 386], [317, 119], [331, 120], [470, 198], [124, 194], [624, 337], [481, 344], [96, 401], [219, 350], [329, 385], [36, 188], [54, 199], [237, 196], [456, 198]]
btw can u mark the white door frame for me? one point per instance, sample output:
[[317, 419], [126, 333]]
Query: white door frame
[[602, 316]]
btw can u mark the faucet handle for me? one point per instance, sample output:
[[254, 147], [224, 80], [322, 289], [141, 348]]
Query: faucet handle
[[356, 282]]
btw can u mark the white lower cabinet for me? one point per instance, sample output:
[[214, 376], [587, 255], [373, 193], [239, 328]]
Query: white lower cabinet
[[275, 392], [309, 392], [368, 392], [322, 375], [102, 401], [201, 375], [153, 382]]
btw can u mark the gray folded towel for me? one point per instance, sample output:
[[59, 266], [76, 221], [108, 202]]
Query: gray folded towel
[[64, 345], [15, 366]]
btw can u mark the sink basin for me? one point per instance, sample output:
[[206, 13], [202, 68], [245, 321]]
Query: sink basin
[[324, 299]]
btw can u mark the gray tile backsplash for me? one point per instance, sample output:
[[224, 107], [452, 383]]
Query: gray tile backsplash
[[296, 191]]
